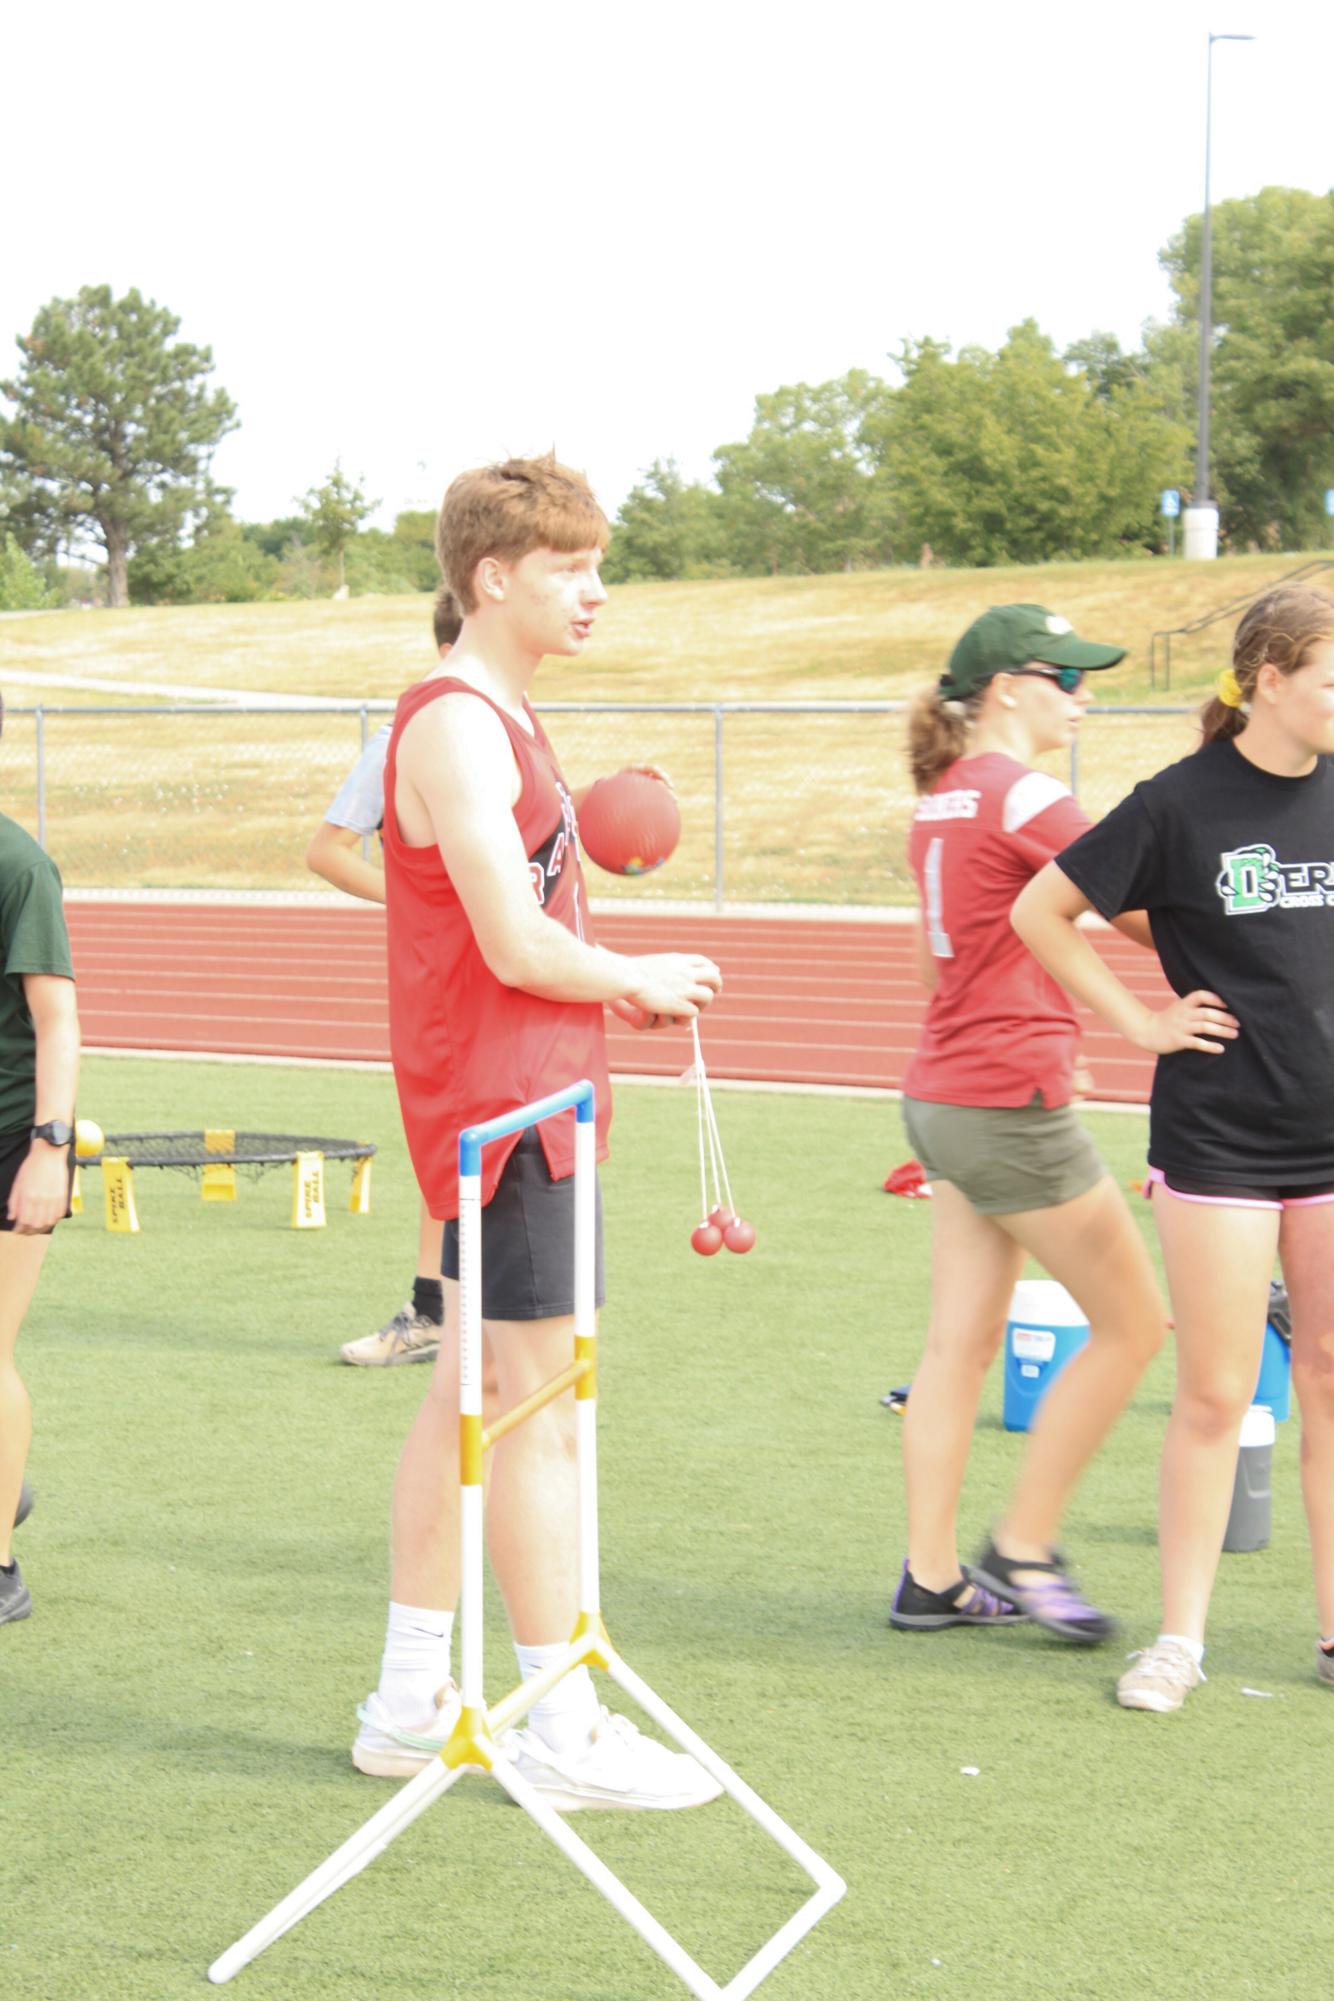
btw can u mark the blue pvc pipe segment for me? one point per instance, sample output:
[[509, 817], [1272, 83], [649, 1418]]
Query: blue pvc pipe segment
[[472, 1139]]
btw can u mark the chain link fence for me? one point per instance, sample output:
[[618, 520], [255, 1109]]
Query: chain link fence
[[784, 802]]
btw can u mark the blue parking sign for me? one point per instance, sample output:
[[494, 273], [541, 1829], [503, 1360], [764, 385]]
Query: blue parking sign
[[1169, 503]]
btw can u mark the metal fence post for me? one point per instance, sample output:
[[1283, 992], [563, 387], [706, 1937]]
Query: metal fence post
[[717, 806], [40, 715]]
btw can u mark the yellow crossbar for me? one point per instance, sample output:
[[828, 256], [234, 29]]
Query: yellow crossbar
[[548, 1393]]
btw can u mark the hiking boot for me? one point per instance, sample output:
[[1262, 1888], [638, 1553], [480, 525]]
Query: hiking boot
[[384, 1749], [26, 1498], [1046, 1592], [1324, 1663], [1162, 1677], [617, 1766], [15, 1600], [915, 1609], [409, 1337]]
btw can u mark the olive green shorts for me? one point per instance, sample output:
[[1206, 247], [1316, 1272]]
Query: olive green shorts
[[1004, 1158]]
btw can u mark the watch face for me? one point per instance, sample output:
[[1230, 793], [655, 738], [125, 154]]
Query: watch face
[[55, 1132]]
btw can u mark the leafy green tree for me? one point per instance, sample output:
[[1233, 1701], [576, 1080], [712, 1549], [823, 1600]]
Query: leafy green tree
[[273, 537], [1016, 457], [223, 565], [414, 538], [388, 564], [802, 492], [668, 527], [22, 585], [113, 427], [1272, 373], [332, 514]]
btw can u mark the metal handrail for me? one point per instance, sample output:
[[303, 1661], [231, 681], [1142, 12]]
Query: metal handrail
[[1311, 568]]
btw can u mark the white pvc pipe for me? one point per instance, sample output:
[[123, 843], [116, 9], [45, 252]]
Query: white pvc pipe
[[701, 1984], [471, 1534], [346, 1862]]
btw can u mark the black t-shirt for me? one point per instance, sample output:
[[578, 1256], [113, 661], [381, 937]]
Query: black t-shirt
[[1235, 867]]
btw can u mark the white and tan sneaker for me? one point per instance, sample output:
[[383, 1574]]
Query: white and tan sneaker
[[386, 1749], [617, 1766], [1161, 1678], [409, 1337]]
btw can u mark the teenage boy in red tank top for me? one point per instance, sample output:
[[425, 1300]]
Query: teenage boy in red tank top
[[497, 992]]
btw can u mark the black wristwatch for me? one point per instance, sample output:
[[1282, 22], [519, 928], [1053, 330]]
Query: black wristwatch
[[55, 1132]]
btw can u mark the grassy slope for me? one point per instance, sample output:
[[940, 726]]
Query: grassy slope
[[861, 636], [208, 1562], [815, 809]]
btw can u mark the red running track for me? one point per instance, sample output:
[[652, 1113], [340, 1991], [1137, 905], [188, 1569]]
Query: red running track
[[807, 1001]]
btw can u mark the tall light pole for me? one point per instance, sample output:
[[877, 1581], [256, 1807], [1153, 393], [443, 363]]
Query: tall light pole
[[1201, 517]]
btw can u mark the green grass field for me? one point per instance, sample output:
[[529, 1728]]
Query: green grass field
[[815, 807], [208, 1566]]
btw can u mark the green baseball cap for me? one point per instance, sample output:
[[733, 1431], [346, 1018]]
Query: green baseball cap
[[1009, 636]]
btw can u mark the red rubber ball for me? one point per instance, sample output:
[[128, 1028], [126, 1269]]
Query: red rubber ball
[[629, 823], [739, 1236], [707, 1239]]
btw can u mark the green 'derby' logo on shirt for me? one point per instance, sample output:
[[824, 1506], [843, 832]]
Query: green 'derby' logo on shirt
[[1255, 879]]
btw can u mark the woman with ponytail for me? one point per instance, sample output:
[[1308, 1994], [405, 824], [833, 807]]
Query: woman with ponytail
[[1231, 852], [988, 1110]]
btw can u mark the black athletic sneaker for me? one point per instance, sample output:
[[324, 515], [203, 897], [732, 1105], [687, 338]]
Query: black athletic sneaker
[[1049, 1596], [915, 1609], [15, 1603], [25, 1504]]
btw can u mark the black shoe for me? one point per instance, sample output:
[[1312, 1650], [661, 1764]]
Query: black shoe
[[1052, 1600], [915, 1609], [26, 1498], [896, 1400], [15, 1602]]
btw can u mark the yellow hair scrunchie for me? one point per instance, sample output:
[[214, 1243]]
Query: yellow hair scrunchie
[[1228, 689]]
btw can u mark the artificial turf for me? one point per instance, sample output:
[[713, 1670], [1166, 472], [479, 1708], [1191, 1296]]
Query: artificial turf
[[208, 1562]]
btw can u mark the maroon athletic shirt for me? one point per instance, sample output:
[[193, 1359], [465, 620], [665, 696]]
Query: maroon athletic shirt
[[467, 1048]]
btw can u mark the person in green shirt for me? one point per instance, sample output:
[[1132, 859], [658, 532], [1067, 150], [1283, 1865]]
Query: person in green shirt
[[39, 1067]]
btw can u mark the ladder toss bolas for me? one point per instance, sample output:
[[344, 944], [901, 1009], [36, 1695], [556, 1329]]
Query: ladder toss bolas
[[476, 1744], [721, 1224]]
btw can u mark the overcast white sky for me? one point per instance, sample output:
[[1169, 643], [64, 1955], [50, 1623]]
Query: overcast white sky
[[422, 236]]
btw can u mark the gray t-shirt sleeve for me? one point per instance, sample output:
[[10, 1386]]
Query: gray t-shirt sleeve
[[359, 803]]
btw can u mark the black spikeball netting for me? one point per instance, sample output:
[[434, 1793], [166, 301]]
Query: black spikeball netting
[[256, 1151]]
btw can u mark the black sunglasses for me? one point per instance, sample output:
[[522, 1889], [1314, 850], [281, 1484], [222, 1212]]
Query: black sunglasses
[[1067, 679]]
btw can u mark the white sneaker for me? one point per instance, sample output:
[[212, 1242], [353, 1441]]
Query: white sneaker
[[616, 1767], [409, 1337], [384, 1749], [1161, 1679]]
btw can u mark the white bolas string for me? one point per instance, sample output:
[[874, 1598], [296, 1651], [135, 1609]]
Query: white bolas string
[[708, 1127]]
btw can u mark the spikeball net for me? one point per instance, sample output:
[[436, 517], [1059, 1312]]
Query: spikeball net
[[218, 1154]]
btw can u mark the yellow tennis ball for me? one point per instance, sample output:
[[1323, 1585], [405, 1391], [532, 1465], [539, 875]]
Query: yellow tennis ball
[[89, 1138]]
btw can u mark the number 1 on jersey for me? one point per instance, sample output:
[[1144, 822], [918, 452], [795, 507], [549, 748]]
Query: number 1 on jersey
[[937, 937]]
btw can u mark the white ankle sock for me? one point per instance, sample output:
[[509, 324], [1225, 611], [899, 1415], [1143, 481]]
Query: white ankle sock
[[1195, 1648], [568, 1713], [415, 1663]]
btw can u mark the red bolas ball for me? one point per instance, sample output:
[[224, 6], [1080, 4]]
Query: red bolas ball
[[629, 823], [722, 1216], [739, 1236], [707, 1239]]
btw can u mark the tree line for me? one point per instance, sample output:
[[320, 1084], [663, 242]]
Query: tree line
[[972, 458], [1026, 454]]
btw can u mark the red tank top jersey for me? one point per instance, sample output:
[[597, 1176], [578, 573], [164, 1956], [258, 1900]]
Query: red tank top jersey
[[466, 1047], [998, 1028]]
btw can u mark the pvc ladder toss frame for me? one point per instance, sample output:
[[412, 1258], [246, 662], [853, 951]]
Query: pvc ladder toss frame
[[474, 1744]]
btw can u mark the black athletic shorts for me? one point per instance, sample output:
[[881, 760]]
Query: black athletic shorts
[[527, 1240], [13, 1152]]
